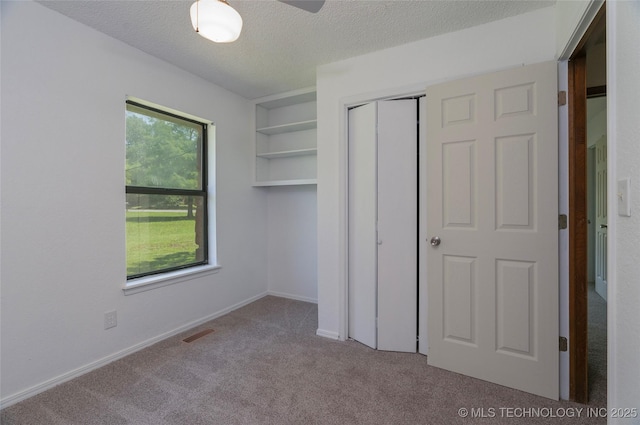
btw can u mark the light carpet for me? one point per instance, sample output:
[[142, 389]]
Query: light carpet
[[265, 365]]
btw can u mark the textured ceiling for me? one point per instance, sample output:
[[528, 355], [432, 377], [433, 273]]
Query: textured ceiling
[[280, 45]]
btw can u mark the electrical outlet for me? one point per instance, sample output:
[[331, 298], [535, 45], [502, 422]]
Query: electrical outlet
[[110, 319]]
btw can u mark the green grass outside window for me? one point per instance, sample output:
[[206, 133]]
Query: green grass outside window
[[159, 240]]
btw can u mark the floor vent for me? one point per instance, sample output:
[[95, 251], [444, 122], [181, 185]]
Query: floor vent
[[198, 335]]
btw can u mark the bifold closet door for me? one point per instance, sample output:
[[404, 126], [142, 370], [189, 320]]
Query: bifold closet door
[[363, 216], [383, 224]]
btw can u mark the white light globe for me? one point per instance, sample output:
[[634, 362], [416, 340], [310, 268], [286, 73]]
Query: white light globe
[[216, 20]]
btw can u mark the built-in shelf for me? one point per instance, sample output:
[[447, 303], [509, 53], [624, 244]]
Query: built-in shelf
[[288, 128], [286, 145], [287, 154]]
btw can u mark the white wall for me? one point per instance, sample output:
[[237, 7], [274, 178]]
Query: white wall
[[63, 236], [292, 242], [524, 39], [623, 86], [573, 17], [596, 120], [596, 129], [591, 214]]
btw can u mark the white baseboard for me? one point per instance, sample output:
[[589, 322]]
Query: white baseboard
[[328, 334], [36, 389], [292, 297]]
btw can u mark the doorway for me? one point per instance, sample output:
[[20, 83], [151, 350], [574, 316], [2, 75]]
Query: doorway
[[587, 79]]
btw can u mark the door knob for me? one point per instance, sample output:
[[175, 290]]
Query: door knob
[[435, 241], [603, 226]]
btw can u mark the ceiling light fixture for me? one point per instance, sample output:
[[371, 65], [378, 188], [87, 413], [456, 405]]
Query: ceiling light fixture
[[216, 20]]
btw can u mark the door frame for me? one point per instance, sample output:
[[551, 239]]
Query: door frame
[[578, 209], [578, 231]]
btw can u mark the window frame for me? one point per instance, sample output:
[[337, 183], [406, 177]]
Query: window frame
[[167, 276]]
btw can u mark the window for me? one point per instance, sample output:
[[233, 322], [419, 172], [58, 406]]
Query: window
[[166, 191]]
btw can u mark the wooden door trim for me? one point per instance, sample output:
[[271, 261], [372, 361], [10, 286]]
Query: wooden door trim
[[578, 230]]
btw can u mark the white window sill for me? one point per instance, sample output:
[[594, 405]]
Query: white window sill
[[147, 283]]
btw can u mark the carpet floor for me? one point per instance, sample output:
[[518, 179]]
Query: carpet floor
[[597, 348], [263, 364]]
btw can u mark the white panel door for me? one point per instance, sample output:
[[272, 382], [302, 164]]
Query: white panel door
[[397, 225], [383, 225], [363, 216], [492, 198], [601, 217]]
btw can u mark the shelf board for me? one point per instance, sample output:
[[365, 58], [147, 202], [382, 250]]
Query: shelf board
[[288, 154], [292, 98], [288, 128], [286, 182]]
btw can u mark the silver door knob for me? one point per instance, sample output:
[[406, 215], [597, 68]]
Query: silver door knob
[[603, 226], [435, 241]]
